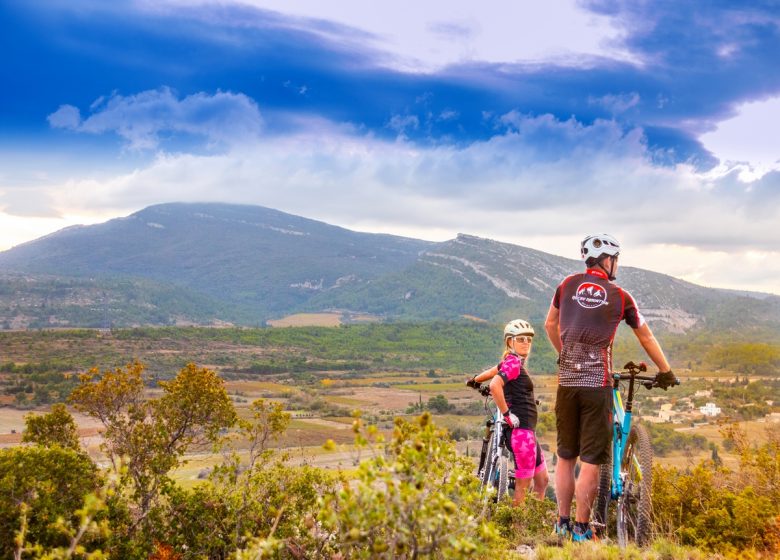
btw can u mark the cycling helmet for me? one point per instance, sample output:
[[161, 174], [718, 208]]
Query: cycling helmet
[[595, 248], [518, 327], [598, 246]]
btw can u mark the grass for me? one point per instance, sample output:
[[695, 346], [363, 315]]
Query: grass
[[433, 387]]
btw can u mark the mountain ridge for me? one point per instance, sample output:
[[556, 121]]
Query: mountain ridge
[[214, 263]]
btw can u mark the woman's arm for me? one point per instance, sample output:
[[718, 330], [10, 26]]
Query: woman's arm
[[497, 392], [486, 375]]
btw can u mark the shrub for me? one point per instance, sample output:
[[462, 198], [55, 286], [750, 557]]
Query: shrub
[[417, 498], [38, 486]]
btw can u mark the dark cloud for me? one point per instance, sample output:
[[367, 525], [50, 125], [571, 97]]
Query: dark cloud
[[696, 65]]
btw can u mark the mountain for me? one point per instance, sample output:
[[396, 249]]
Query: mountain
[[248, 258], [212, 263]]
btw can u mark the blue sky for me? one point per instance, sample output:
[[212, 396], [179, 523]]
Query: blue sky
[[654, 121]]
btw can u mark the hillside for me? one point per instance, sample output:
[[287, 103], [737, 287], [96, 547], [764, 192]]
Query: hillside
[[220, 263], [246, 263], [491, 280]]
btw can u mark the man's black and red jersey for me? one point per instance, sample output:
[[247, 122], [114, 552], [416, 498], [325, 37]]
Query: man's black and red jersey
[[591, 308]]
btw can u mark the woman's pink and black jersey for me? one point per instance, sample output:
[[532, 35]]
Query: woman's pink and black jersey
[[591, 308], [518, 390]]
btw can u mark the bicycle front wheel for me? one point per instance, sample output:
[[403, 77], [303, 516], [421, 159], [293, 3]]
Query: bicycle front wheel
[[488, 466], [635, 507]]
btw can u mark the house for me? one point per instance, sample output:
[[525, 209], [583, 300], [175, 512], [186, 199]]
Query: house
[[709, 409]]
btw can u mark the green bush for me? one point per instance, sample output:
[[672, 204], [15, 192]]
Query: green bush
[[39, 486], [717, 509]]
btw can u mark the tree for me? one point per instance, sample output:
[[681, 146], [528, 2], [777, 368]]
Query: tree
[[38, 487], [259, 497], [55, 428], [439, 404], [145, 439]]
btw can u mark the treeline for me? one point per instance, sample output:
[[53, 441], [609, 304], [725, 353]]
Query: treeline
[[666, 439]]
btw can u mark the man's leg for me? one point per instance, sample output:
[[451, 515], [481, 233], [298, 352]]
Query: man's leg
[[585, 490], [564, 485]]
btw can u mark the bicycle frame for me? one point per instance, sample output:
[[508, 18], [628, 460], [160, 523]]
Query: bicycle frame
[[622, 424]]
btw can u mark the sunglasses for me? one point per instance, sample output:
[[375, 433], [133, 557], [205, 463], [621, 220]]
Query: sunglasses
[[521, 338]]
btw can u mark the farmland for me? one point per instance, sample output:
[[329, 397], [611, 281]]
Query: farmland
[[321, 375]]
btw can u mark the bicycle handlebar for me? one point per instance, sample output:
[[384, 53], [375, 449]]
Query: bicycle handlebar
[[633, 371]]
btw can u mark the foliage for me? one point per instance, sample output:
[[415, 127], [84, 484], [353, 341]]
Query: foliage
[[530, 523], [660, 550], [40, 489], [754, 358], [145, 439], [439, 404], [412, 498], [712, 507], [665, 439], [55, 428]]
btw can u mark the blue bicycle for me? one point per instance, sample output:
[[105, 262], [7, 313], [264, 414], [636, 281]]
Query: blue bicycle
[[627, 481]]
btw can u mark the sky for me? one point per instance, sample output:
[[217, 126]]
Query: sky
[[526, 122]]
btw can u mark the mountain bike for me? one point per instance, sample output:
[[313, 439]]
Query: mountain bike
[[627, 481], [494, 470]]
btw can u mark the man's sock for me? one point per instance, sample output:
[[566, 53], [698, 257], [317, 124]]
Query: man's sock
[[581, 527]]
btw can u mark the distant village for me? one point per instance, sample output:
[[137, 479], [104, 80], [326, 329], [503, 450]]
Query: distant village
[[686, 410]]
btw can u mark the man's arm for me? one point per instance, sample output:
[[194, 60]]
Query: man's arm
[[651, 346], [552, 326]]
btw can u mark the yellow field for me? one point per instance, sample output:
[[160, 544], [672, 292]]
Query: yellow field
[[324, 319], [308, 320]]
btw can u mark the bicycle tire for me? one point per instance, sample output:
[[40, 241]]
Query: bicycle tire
[[482, 457], [485, 473], [635, 506], [600, 510], [503, 475]]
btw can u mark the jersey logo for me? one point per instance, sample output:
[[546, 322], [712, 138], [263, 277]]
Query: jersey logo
[[590, 295]]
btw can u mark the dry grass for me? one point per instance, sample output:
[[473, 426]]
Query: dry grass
[[308, 320]]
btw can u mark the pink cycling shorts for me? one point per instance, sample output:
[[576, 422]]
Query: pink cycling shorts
[[529, 458]]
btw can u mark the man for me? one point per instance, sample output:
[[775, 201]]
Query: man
[[581, 324]]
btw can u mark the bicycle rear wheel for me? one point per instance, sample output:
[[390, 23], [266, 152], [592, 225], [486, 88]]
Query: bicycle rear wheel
[[635, 507], [603, 498]]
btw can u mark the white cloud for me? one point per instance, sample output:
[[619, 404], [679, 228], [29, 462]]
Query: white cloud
[[749, 138], [222, 119], [512, 187], [67, 116], [425, 36]]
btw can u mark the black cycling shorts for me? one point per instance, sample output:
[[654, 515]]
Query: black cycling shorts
[[583, 418]]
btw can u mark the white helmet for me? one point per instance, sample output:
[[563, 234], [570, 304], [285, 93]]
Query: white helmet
[[518, 327], [599, 245]]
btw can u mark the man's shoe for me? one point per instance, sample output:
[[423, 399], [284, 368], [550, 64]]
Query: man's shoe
[[563, 530], [578, 536]]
